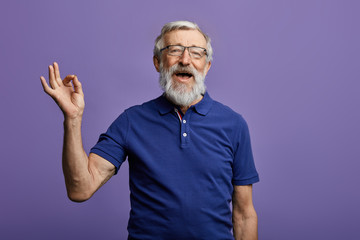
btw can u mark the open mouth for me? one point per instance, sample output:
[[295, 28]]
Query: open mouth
[[185, 75]]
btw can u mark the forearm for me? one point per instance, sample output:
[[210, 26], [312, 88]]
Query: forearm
[[75, 162], [245, 226]]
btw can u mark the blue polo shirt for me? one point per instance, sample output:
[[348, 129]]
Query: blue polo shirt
[[182, 167]]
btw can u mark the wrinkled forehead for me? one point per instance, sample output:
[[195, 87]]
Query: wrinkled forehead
[[191, 37]]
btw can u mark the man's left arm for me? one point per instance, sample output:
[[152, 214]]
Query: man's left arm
[[244, 214]]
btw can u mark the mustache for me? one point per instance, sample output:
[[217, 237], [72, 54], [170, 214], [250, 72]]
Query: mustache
[[177, 68]]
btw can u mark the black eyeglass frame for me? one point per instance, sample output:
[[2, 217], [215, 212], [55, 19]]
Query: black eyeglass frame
[[168, 46]]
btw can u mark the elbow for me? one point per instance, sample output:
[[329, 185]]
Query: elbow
[[77, 191], [78, 196], [77, 199]]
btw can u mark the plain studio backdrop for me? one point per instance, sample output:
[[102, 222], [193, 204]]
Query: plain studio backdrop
[[291, 68]]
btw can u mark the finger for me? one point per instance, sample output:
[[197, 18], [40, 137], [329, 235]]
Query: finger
[[52, 80], [57, 74], [46, 87], [77, 86], [67, 80]]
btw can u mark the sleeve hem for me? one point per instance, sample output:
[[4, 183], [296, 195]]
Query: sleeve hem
[[107, 157], [248, 181]]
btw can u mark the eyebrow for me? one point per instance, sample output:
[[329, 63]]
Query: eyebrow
[[193, 45]]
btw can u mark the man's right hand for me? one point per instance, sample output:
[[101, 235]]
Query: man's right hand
[[67, 93]]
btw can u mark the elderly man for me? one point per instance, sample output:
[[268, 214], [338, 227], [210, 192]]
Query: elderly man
[[189, 156]]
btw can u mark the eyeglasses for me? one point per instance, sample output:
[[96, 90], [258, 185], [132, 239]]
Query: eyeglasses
[[178, 50]]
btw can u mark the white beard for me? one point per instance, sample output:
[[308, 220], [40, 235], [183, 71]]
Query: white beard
[[178, 93]]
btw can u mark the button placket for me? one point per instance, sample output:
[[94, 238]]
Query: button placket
[[185, 128], [184, 134]]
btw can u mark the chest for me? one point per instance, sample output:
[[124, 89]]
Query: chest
[[176, 147]]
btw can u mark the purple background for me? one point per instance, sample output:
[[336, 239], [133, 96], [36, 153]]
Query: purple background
[[291, 68]]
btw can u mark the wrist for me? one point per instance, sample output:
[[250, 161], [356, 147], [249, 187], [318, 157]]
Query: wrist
[[72, 121]]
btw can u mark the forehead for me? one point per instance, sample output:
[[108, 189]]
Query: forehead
[[185, 37]]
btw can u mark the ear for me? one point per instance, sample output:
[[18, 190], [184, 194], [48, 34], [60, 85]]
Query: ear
[[156, 63], [207, 68]]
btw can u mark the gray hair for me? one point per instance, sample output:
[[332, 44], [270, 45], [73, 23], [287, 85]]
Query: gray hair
[[181, 25]]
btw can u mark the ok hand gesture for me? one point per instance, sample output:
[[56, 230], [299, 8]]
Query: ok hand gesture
[[67, 93]]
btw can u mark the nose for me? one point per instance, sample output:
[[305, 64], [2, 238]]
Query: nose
[[185, 58]]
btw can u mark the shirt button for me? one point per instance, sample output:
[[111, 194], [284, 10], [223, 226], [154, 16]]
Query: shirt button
[[184, 134], [184, 121]]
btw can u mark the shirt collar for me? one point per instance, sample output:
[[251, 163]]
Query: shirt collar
[[164, 106], [203, 107]]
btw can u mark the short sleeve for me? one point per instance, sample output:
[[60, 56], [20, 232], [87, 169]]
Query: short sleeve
[[244, 171], [112, 144]]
